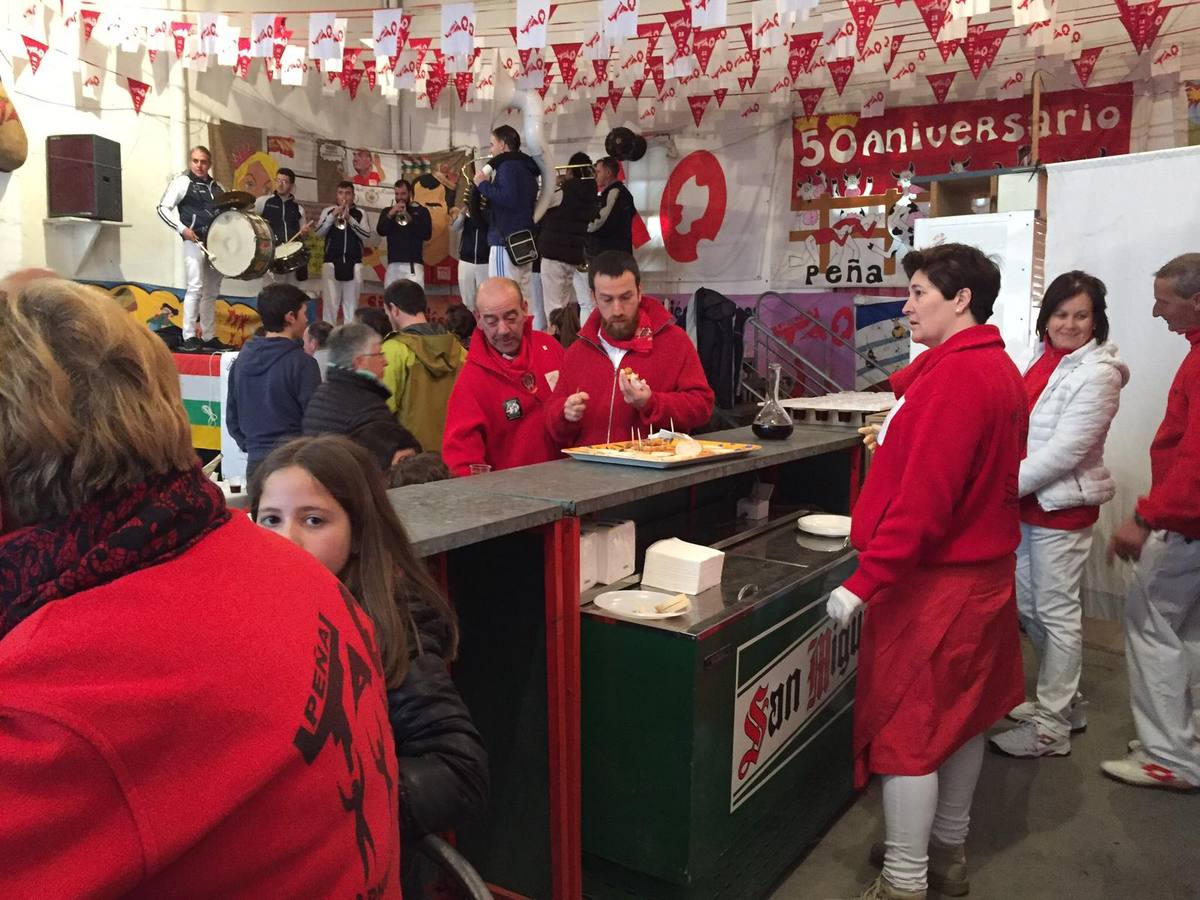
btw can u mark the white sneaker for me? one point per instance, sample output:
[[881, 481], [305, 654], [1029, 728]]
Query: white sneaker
[[1076, 714], [1027, 741], [1140, 770]]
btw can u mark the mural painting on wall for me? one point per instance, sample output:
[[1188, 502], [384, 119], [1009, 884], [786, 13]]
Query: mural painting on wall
[[437, 185], [1193, 111], [161, 308], [852, 178], [881, 335]]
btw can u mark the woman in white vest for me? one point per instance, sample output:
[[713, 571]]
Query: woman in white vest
[[1073, 383]]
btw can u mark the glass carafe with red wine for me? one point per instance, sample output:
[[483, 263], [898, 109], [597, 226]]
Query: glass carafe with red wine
[[773, 422]]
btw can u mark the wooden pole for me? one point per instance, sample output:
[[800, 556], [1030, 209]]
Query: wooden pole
[[1035, 121]]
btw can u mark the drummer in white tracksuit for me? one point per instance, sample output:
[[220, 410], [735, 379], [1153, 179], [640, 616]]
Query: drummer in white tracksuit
[[188, 206], [1073, 385]]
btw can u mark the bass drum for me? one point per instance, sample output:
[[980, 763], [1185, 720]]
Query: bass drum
[[289, 257], [240, 244]]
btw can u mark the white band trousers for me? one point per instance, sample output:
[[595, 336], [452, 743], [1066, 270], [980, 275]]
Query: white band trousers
[[200, 295]]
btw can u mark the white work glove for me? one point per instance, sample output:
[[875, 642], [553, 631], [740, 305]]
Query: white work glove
[[842, 605]]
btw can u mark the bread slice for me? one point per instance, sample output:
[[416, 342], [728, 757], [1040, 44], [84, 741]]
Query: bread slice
[[675, 604]]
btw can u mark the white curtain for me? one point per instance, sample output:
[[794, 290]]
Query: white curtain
[[1120, 218]]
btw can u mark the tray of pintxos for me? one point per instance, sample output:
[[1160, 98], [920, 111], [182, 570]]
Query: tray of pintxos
[[664, 450]]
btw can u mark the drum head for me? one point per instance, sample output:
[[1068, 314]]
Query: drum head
[[288, 257], [232, 243], [234, 200]]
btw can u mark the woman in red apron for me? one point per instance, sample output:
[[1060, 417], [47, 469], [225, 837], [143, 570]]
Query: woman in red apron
[[936, 527]]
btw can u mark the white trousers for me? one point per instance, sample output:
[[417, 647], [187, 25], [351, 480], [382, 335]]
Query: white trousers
[[341, 295], [500, 265], [470, 277], [200, 296], [1162, 650], [1049, 570], [583, 295], [918, 806], [536, 303], [558, 285], [411, 271]]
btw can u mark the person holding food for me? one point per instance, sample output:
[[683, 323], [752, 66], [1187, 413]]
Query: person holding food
[[936, 527], [495, 411], [632, 370], [1074, 386]]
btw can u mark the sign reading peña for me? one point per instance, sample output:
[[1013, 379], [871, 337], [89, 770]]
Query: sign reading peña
[[774, 709]]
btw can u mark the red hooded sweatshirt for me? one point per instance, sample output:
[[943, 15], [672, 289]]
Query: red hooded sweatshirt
[[1174, 499], [495, 410], [942, 489], [671, 367]]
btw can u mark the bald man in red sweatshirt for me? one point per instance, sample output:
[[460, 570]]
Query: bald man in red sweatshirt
[[632, 368]]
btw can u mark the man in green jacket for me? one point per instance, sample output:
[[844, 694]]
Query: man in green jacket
[[423, 361]]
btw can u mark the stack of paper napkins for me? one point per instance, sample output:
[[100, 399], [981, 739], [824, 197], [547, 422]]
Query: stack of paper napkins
[[676, 565], [615, 548]]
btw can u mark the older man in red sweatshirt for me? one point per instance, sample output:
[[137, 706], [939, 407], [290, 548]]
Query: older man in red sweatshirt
[[495, 414], [632, 368], [1162, 609]]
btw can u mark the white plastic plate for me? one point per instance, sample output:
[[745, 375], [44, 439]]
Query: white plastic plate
[[637, 604], [825, 525]]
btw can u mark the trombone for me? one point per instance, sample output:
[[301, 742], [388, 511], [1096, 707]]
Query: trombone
[[589, 169]]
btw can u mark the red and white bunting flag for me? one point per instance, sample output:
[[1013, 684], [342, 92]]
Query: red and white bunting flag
[[180, 32], [720, 93], [137, 93], [874, 105], [651, 31], [351, 79], [614, 95], [242, 67], [904, 77], [568, 60], [324, 40], [934, 14], [1012, 87], [385, 31], [600, 66], [704, 42], [36, 50], [532, 18], [750, 110], [277, 54], [801, 48], [462, 86], [698, 105], [948, 48], [88, 17], [421, 46], [709, 13], [1142, 21], [370, 71], [262, 34], [91, 80], [809, 98], [1086, 64], [865, 12], [636, 88], [1165, 59], [981, 46], [941, 85], [654, 66], [839, 71], [458, 32], [894, 42], [620, 19], [766, 24], [748, 34], [679, 22], [292, 66], [1027, 12]]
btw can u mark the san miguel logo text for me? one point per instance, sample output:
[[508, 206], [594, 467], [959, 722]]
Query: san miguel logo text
[[773, 708]]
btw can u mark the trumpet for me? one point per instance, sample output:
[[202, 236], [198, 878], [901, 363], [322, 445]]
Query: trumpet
[[589, 169], [340, 218], [402, 217]]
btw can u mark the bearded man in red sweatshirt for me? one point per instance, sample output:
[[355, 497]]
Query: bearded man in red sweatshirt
[[632, 368], [495, 414], [1162, 609]]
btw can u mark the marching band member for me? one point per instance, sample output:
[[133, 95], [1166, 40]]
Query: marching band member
[[407, 226], [342, 227], [285, 215], [511, 192], [189, 206]]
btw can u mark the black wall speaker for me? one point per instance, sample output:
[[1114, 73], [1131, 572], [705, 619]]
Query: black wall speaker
[[83, 176]]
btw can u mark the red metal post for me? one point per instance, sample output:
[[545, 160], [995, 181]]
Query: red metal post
[[561, 545]]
